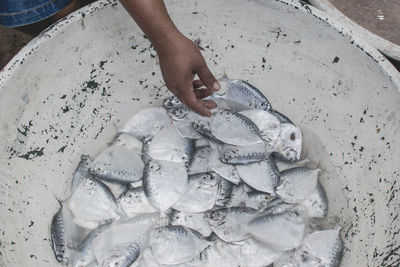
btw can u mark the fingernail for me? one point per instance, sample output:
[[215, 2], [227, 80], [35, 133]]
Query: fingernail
[[216, 85]]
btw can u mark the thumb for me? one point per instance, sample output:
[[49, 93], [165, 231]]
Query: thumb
[[207, 77]]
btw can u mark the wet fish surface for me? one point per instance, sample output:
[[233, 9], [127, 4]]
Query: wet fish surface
[[176, 244], [234, 128], [173, 188]]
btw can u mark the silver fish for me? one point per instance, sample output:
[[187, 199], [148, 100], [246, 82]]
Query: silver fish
[[282, 231], [82, 171], [122, 255], [164, 183], [201, 142], [316, 204], [240, 155], [246, 94], [224, 197], [218, 254], [118, 164], [234, 128], [200, 160], [172, 102], [134, 202], [297, 184], [182, 119], [130, 142], [58, 239], [266, 122], [204, 128], [230, 223], [251, 252], [263, 176], [282, 118], [85, 254], [140, 127], [289, 142], [117, 236], [239, 196], [93, 201], [326, 245], [227, 171], [201, 193], [175, 244], [193, 221], [169, 145], [259, 200]]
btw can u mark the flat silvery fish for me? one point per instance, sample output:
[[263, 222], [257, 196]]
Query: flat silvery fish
[[246, 94], [230, 223], [175, 244], [164, 183], [326, 245], [224, 196], [263, 176], [169, 145], [258, 200], [285, 165], [234, 128], [193, 221], [282, 231], [218, 254], [266, 122], [85, 254], [288, 144], [201, 193], [82, 171], [227, 171], [204, 128], [200, 160], [119, 233], [297, 184], [251, 252], [129, 142], [316, 204], [116, 188], [58, 237], [118, 164], [201, 142], [182, 119], [147, 123], [122, 255], [240, 155], [93, 201], [239, 196], [172, 102], [134, 202], [282, 118]]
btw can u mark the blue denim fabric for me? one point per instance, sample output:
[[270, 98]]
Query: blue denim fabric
[[15, 13]]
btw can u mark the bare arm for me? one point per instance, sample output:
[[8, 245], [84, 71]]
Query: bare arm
[[180, 59]]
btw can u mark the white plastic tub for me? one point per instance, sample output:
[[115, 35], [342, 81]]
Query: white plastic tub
[[66, 93]]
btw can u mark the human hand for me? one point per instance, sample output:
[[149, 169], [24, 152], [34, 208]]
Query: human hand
[[180, 60]]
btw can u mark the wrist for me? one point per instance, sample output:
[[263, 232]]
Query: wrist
[[166, 40]]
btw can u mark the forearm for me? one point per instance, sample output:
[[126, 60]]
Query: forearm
[[153, 19]]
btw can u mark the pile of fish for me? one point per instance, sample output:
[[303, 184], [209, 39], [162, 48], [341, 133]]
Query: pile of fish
[[177, 189]]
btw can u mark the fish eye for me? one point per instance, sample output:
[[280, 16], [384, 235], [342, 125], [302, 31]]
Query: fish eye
[[292, 137]]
